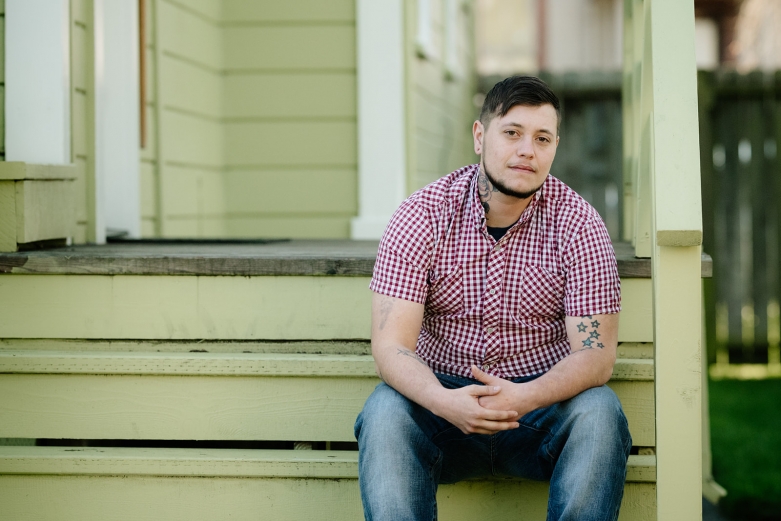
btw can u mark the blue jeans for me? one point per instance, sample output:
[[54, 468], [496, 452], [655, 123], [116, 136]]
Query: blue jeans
[[580, 445]]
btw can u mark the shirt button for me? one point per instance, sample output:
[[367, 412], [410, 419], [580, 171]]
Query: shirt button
[[486, 367], [489, 330], [492, 292]]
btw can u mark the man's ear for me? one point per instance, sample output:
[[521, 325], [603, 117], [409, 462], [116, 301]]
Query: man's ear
[[478, 132]]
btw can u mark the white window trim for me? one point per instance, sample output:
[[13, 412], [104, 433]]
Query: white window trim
[[37, 75], [382, 157]]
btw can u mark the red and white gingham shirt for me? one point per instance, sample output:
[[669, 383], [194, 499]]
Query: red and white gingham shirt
[[498, 305]]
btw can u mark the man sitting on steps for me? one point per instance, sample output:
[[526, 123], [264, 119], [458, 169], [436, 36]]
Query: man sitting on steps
[[494, 330]]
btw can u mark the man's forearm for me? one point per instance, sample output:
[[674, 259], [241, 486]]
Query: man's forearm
[[409, 374]]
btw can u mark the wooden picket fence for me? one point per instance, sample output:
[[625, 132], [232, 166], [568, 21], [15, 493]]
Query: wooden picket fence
[[740, 129]]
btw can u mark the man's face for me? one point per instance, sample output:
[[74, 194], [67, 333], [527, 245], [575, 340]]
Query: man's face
[[517, 149]]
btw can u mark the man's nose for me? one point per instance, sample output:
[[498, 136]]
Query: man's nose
[[525, 147]]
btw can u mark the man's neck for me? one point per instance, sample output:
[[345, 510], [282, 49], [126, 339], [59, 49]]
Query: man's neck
[[501, 210]]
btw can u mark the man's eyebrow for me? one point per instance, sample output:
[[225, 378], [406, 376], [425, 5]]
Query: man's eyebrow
[[518, 125]]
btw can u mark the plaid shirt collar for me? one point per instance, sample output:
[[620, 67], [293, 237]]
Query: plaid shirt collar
[[478, 212]]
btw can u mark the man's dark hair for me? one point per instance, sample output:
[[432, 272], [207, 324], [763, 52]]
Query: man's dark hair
[[517, 90]]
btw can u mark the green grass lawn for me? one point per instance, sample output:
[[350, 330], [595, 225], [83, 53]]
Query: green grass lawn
[[746, 442]]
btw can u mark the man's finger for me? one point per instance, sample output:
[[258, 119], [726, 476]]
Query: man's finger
[[483, 390], [493, 427], [494, 415], [484, 377]]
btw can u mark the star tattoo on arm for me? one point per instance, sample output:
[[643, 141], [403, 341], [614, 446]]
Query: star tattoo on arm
[[591, 328]]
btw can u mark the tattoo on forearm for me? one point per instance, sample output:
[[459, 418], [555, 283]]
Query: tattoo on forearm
[[407, 352], [592, 340], [386, 304]]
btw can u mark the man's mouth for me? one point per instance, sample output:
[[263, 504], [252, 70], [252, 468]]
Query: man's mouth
[[524, 168]]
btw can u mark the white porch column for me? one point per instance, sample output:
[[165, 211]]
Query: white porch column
[[37, 76], [117, 132], [381, 115]]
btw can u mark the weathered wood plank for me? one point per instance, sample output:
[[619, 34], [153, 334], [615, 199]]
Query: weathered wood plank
[[143, 498], [302, 11], [299, 95], [321, 47], [44, 210], [18, 171], [275, 143], [297, 257], [154, 307], [228, 463], [7, 216], [219, 308], [227, 364], [175, 407], [360, 347]]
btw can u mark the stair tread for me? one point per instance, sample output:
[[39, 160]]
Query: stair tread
[[294, 257], [226, 364], [212, 462]]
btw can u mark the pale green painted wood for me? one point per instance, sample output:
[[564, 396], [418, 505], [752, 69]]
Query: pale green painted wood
[[292, 143], [82, 43], [233, 364], [228, 463], [294, 47], [220, 397], [80, 74], [194, 192], [80, 194], [80, 145], [19, 171], [195, 227], [193, 499], [636, 318], [209, 10], [301, 11], [184, 307], [7, 216], [186, 346], [148, 185], [677, 295], [189, 36], [190, 140], [149, 153], [660, 87], [190, 88], [249, 191], [44, 210], [175, 484], [168, 307], [80, 11], [304, 95]]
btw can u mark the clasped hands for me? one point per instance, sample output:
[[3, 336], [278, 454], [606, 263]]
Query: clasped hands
[[484, 409]]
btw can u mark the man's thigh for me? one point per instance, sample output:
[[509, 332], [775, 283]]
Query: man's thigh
[[588, 423]]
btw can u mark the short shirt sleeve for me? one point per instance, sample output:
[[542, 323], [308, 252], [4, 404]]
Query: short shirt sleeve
[[593, 286], [404, 256]]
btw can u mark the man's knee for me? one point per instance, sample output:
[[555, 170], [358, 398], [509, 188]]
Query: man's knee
[[385, 410], [598, 411]]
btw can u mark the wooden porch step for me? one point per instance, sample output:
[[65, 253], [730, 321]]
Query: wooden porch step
[[218, 396], [199, 484]]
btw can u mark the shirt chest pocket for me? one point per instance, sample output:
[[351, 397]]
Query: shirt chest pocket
[[446, 291], [542, 293]]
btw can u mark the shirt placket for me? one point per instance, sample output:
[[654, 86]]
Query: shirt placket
[[492, 305]]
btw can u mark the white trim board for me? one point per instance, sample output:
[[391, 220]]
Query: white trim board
[[382, 155], [37, 81]]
